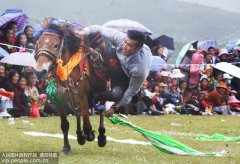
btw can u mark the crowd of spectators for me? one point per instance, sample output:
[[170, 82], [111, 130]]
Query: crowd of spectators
[[193, 87]]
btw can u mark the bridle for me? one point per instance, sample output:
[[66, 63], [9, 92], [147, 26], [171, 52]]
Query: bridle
[[52, 55]]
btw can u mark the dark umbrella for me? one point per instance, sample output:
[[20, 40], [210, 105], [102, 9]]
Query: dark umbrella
[[165, 41], [149, 42]]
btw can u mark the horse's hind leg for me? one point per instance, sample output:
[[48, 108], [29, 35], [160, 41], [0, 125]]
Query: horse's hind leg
[[101, 137], [81, 137], [65, 127]]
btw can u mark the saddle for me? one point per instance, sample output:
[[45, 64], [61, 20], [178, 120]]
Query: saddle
[[98, 64]]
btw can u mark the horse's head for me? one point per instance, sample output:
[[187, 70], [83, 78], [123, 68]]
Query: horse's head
[[54, 41]]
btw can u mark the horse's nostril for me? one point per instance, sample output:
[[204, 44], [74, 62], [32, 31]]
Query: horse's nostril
[[41, 74], [44, 72]]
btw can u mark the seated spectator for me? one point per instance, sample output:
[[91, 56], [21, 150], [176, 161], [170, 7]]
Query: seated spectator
[[211, 52], [9, 40], [234, 104], [215, 99], [232, 57], [218, 78], [146, 95], [21, 40], [29, 33], [165, 77], [157, 101], [2, 76], [175, 76], [233, 93], [5, 103], [13, 25], [208, 71], [223, 56], [161, 52], [207, 58], [33, 94], [12, 80], [168, 97], [20, 100], [173, 88], [198, 106], [27, 70], [204, 84], [227, 78], [183, 89]]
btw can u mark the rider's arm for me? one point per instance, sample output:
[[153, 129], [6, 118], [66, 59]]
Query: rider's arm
[[115, 37], [135, 84]]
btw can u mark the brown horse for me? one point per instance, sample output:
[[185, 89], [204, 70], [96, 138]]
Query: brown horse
[[59, 41]]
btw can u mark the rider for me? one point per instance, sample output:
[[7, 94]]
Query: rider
[[134, 57]]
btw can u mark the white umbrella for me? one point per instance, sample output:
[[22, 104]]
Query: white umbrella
[[3, 52], [17, 58], [124, 25], [228, 68]]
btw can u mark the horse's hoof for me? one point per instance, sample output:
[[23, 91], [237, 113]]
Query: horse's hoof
[[102, 141], [90, 136], [65, 152], [81, 139]]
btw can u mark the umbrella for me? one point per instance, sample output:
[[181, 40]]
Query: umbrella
[[124, 25], [3, 52], [157, 63], [232, 44], [149, 42], [14, 15], [165, 41], [228, 68], [184, 50], [206, 44], [17, 58]]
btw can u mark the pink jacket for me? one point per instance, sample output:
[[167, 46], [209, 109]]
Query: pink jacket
[[195, 69]]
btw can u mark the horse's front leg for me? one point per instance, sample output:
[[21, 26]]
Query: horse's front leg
[[87, 127], [65, 127], [81, 137], [101, 137]]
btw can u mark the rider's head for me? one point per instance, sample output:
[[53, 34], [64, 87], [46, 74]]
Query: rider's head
[[133, 42]]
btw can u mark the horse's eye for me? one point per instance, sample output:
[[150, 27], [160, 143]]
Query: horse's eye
[[56, 46]]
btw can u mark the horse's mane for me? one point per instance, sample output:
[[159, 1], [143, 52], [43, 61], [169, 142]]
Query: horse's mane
[[71, 41]]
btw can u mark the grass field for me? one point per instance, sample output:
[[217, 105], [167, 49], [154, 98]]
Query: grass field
[[13, 139]]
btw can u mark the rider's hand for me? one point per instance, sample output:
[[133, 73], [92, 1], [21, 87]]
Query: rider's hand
[[110, 112]]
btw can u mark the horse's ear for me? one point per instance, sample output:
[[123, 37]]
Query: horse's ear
[[45, 23], [63, 26]]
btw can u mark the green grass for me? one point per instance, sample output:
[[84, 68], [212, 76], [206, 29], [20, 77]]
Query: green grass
[[13, 139]]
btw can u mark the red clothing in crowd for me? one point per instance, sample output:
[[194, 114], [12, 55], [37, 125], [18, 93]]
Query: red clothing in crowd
[[214, 99], [12, 42], [20, 99]]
